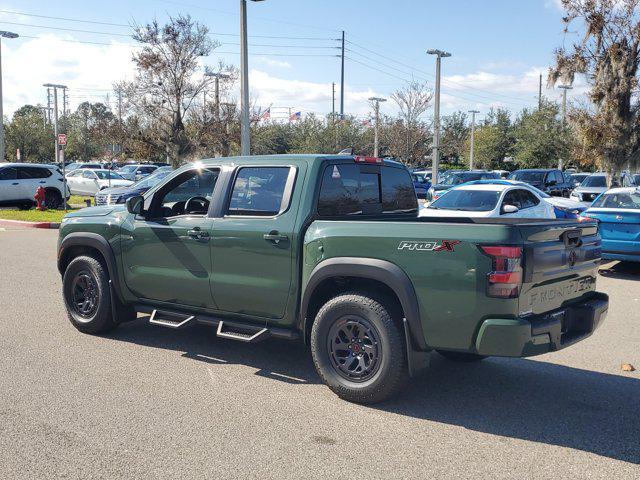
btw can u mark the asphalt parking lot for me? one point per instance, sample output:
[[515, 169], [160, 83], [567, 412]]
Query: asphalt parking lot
[[155, 403]]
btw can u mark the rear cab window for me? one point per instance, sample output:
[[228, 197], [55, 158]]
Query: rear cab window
[[263, 191], [353, 189]]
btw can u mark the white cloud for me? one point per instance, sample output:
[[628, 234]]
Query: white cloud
[[28, 63], [309, 96], [272, 63]]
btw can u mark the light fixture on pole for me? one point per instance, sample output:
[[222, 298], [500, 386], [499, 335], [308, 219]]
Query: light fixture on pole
[[245, 126], [473, 131], [3, 34], [376, 105], [440, 54], [563, 119]]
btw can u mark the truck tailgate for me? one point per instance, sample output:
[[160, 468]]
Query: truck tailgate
[[560, 265]]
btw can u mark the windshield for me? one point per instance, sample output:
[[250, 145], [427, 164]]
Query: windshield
[[626, 200], [72, 166], [537, 177], [105, 174], [417, 177], [472, 200], [595, 181], [579, 177], [458, 178], [151, 180], [128, 169]]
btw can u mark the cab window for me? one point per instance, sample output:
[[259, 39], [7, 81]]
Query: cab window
[[187, 194], [260, 191]]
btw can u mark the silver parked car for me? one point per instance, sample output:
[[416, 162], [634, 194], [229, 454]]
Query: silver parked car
[[594, 185]]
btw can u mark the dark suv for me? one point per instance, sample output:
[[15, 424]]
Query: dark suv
[[550, 181]]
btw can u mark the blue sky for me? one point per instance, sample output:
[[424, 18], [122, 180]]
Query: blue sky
[[499, 47]]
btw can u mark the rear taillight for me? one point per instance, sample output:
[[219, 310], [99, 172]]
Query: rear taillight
[[505, 279], [363, 159]]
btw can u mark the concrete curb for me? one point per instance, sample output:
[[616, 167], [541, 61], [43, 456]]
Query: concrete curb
[[20, 223]]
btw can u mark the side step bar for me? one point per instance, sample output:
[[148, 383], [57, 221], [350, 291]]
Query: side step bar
[[170, 319], [232, 330], [242, 333]]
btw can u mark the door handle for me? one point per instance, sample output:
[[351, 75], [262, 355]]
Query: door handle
[[42, 181], [198, 234], [275, 237], [15, 183]]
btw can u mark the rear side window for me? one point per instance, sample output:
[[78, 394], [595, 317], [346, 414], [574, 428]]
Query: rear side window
[[8, 174], [527, 199], [359, 190], [259, 191], [33, 172]]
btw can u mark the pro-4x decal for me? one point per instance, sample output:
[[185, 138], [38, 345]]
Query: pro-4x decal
[[429, 245]]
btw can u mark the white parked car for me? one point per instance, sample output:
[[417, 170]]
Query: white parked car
[[136, 172], [488, 198], [19, 182], [84, 181]]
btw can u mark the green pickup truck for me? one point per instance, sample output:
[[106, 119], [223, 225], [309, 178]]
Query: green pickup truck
[[330, 250]]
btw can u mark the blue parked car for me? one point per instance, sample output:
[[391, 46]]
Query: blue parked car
[[618, 214], [421, 183]]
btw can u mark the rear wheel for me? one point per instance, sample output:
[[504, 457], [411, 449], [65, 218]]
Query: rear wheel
[[52, 199], [87, 296], [461, 356], [358, 349]]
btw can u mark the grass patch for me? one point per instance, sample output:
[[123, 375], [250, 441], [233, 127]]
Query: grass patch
[[34, 215], [79, 200]]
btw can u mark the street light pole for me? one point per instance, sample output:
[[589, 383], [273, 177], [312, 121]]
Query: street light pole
[[436, 116], [473, 131], [245, 126], [3, 35], [564, 113], [376, 105]]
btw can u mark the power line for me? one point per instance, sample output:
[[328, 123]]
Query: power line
[[421, 78], [446, 81], [67, 29], [12, 12]]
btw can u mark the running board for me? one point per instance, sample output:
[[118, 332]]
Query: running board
[[242, 333], [170, 319]]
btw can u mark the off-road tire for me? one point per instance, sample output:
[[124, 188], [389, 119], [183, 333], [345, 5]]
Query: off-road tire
[[391, 372], [461, 357], [87, 270]]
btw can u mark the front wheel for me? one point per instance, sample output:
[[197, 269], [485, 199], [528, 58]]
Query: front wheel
[[358, 349], [85, 286], [52, 199]]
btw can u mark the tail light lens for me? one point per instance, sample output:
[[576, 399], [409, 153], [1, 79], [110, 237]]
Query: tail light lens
[[505, 279]]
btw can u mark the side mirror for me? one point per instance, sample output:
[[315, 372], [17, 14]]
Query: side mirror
[[509, 209], [135, 204], [552, 183]]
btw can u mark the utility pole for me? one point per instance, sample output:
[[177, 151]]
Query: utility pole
[[3, 35], [342, 80], [49, 105], [436, 115], [540, 93], [245, 126], [55, 132], [376, 105], [64, 102], [473, 131], [333, 101], [216, 77], [564, 113]]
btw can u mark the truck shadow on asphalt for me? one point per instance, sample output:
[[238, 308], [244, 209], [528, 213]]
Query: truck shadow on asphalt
[[517, 398], [621, 270]]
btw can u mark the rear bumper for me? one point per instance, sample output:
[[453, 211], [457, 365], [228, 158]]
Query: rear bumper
[[529, 336], [621, 250]]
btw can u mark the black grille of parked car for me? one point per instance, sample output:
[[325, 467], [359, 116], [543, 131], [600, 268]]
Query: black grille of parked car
[[588, 197]]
